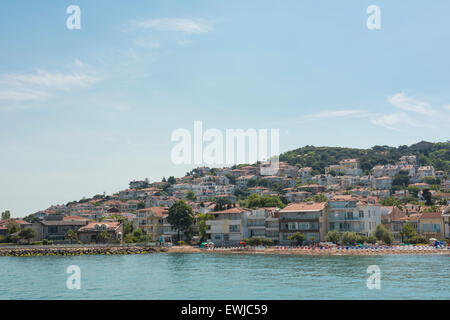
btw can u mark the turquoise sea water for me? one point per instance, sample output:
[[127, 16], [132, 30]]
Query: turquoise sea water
[[225, 276]]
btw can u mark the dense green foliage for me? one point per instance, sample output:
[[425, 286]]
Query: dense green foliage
[[434, 154], [332, 236], [383, 234], [297, 238], [180, 216], [256, 201]]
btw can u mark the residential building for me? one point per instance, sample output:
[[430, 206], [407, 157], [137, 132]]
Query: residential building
[[229, 226], [431, 225], [383, 183], [263, 223], [308, 218], [425, 171], [55, 227], [446, 218], [353, 214], [151, 221], [90, 233]]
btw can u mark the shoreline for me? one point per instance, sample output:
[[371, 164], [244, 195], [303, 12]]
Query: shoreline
[[314, 251], [25, 251]]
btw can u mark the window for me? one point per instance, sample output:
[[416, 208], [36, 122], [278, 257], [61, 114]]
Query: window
[[234, 228], [361, 214], [331, 225]]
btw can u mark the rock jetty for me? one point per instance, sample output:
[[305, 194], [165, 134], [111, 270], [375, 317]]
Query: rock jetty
[[75, 251]]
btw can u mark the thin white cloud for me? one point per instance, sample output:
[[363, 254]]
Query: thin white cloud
[[413, 113], [402, 101], [395, 120], [43, 84], [174, 24], [13, 94], [41, 78], [342, 113]]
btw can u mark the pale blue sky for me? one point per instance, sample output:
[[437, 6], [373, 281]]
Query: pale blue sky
[[85, 111]]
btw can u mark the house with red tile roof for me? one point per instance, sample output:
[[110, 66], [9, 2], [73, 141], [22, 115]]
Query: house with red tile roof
[[91, 233], [309, 218], [431, 225]]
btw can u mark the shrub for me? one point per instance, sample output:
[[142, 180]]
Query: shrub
[[361, 238], [181, 243], [371, 239], [332, 236], [297, 238], [349, 238]]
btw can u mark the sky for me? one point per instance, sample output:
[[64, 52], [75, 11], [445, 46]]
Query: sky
[[85, 111]]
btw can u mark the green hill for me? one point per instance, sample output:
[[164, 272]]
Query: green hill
[[434, 154]]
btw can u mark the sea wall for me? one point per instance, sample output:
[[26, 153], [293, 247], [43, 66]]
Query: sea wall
[[73, 251]]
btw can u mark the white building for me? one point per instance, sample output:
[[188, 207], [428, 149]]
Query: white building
[[350, 214], [229, 226], [263, 223]]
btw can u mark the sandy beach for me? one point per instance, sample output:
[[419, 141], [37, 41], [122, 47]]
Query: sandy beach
[[402, 250]]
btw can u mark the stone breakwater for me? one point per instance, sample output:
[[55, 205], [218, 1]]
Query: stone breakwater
[[75, 251]]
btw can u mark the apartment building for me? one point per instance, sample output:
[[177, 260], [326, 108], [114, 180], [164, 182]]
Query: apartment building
[[349, 213], [229, 226], [308, 218], [263, 223]]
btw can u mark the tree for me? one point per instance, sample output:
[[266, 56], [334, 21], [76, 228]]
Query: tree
[[31, 218], [190, 195], [383, 234], [332, 236], [371, 239], [127, 227], [103, 236], [264, 201], [349, 238], [6, 215], [71, 235], [27, 234], [201, 223], [360, 238], [414, 190], [426, 194], [172, 180], [141, 205], [13, 227], [401, 179], [408, 232], [297, 238], [320, 198], [180, 216]]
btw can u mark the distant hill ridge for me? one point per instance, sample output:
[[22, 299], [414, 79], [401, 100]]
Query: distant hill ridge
[[428, 153]]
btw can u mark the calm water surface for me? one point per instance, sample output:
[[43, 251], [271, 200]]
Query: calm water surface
[[225, 276]]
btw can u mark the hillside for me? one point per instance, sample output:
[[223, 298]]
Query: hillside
[[434, 154]]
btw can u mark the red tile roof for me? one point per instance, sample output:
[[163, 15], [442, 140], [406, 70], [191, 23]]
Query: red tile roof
[[304, 206]]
